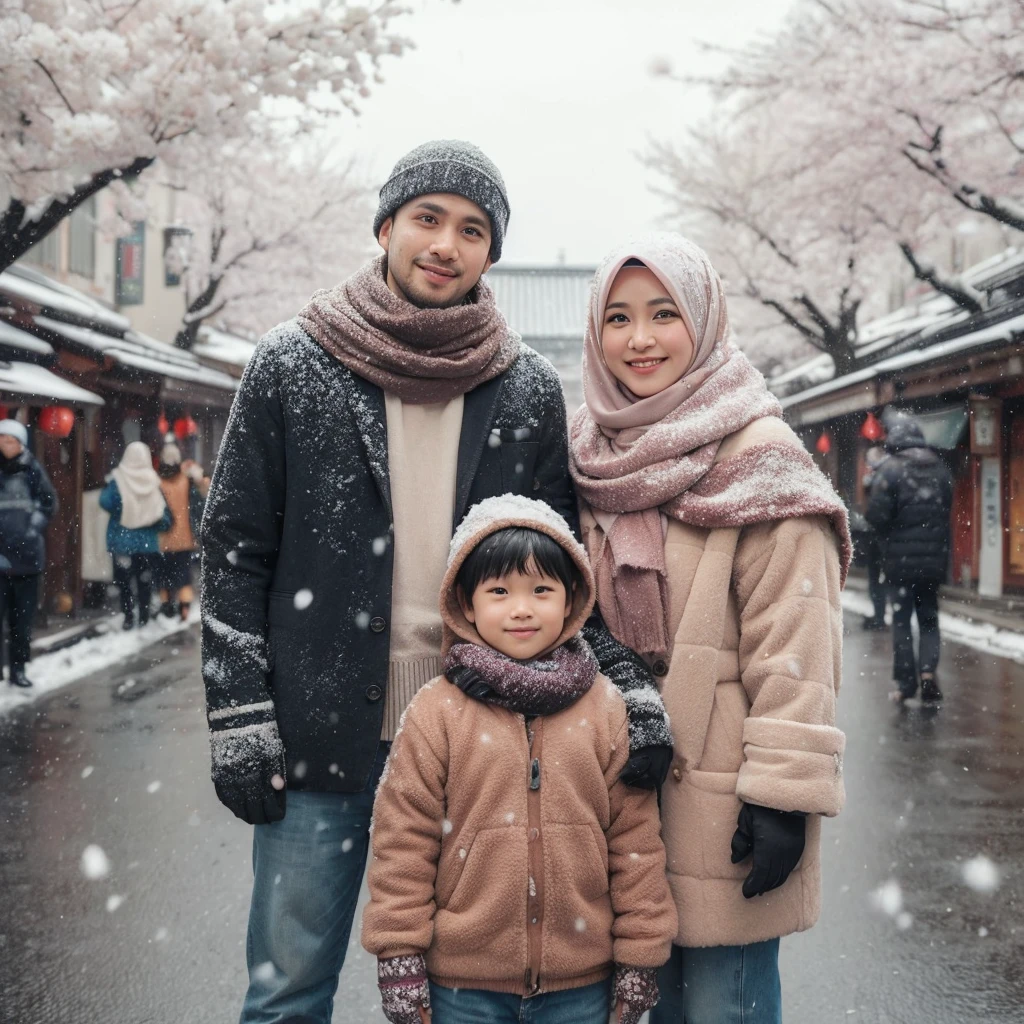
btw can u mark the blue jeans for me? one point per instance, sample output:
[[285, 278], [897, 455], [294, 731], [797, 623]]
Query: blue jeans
[[587, 1005], [721, 985], [308, 869]]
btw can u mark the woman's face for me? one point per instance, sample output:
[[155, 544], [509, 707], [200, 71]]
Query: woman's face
[[645, 342]]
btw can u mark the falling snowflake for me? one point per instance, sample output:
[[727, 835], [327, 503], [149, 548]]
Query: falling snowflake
[[153, 787], [888, 898], [95, 863], [303, 599], [113, 902], [347, 844], [981, 874]]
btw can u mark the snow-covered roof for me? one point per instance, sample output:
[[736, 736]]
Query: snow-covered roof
[[140, 352], [919, 320], [543, 301], [223, 347], [37, 382], [1006, 330], [36, 289], [15, 337]]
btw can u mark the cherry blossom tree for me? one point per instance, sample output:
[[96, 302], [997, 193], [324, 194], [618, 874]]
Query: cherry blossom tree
[[923, 97], [270, 224], [94, 91], [836, 145]]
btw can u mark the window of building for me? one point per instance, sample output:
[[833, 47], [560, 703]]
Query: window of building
[[82, 239], [45, 253]]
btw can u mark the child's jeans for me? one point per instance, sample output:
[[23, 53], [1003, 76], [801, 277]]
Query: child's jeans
[[587, 1005]]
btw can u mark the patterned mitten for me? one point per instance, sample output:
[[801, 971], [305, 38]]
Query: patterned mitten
[[635, 992], [402, 981]]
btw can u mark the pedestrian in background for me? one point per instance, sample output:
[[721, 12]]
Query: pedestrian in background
[[877, 589], [27, 503], [138, 513], [911, 499], [719, 550], [184, 489]]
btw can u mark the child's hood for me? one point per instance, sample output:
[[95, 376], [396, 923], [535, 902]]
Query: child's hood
[[500, 513]]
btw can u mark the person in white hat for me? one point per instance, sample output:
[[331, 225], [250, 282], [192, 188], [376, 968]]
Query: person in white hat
[[27, 502]]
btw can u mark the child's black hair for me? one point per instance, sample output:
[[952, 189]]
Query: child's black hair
[[517, 549]]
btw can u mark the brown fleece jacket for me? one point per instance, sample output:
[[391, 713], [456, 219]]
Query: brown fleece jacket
[[514, 859]]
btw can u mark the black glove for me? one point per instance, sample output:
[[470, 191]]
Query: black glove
[[647, 768], [775, 838], [244, 762]]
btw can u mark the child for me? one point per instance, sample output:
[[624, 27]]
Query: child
[[509, 861]]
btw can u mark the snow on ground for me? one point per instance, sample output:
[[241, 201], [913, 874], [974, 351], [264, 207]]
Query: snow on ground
[[50, 672], [983, 636]]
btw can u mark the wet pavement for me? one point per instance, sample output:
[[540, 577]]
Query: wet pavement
[[120, 760]]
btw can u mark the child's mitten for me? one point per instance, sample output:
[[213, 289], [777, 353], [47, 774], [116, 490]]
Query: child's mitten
[[635, 992], [402, 981]]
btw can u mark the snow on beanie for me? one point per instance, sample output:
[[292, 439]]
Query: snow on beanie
[[448, 165]]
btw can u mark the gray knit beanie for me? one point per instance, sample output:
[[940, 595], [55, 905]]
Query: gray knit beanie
[[448, 165]]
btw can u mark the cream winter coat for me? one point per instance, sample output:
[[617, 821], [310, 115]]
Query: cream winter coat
[[750, 684]]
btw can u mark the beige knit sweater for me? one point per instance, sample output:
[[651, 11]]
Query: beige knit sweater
[[423, 449]]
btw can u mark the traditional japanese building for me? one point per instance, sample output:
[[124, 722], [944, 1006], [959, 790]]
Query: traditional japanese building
[[962, 376]]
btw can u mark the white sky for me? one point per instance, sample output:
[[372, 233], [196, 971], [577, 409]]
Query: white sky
[[559, 94]]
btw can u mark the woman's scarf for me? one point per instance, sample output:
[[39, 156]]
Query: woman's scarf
[[541, 686], [422, 356], [635, 460], [142, 501]]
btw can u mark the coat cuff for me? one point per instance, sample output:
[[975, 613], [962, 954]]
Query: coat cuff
[[792, 766]]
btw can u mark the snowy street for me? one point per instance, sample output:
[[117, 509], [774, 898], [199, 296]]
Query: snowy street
[[923, 871]]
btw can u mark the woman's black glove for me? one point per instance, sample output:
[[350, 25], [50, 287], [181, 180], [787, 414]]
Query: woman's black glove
[[776, 840], [648, 767]]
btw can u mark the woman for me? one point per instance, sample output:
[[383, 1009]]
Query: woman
[[184, 489], [719, 551], [138, 513]]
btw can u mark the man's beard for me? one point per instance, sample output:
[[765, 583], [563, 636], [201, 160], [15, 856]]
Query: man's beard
[[426, 301]]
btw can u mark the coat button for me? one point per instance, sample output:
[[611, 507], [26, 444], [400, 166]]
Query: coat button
[[659, 668], [373, 693], [377, 624]]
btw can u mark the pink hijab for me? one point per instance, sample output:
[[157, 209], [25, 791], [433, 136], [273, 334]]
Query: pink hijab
[[637, 460]]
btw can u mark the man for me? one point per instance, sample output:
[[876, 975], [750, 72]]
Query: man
[[27, 501], [911, 498], [361, 434]]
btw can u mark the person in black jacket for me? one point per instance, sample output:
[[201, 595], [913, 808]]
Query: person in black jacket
[[27, 502], [911, 498], [361, 434]]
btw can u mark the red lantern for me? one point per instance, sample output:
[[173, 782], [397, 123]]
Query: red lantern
[[871, 429], [185, 427], [57, 420], [162, 425], [824, 443]]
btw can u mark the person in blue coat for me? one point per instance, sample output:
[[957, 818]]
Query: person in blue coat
[[138, 513], [27, 502]]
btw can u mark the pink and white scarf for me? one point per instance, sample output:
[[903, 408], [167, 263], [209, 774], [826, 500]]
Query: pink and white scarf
[[636, 460]]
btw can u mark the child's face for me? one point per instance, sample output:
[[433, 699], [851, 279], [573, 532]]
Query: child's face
[[645, 342], [519, 614]]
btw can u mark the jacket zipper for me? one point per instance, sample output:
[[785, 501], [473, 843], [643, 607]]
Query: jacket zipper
[[535, 847]]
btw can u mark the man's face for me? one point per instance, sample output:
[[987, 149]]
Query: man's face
[[10, 447], [438, 248]]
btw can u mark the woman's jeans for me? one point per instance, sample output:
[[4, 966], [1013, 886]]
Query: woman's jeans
[[587, 1005], [721, 985], [308, 869]]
